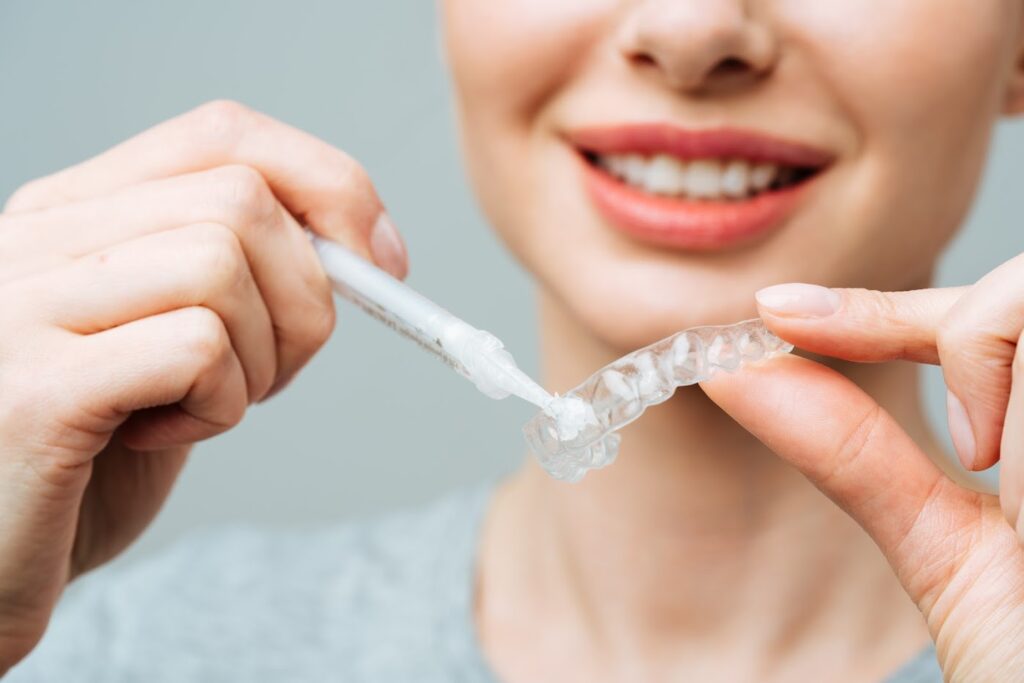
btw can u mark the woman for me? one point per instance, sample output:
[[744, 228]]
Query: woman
[[654, 164]]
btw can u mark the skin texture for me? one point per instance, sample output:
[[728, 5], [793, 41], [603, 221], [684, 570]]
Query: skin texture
[[152, 294], [828, 78], [692, 557], [957, 552], [160, 288]]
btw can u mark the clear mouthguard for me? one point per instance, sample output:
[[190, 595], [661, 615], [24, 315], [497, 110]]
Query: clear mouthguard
[[575, 433]]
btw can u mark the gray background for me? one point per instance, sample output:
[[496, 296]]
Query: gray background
[[373, 423]]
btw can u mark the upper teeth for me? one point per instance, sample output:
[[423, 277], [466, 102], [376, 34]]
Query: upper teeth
[[697, 179]]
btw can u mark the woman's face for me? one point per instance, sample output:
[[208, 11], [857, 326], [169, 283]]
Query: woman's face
[[654, 162]]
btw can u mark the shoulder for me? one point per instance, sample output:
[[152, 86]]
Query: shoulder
[[244, 603], [380, 558]]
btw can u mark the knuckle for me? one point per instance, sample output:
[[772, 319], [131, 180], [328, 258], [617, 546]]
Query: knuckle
[[321, 324], [322, 316], [236, 415], [31, 196], [20, 200], [220, 240], [204, 335], [220, 121], [220, 256], [262, 386], [350, 173], [232, 411], [950, 339], [348, 178], [304, 335], [972, 348], [245, 194], [879, 304]]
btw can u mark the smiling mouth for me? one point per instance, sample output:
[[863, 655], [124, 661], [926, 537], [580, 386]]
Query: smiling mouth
[[730, 180], [705, 189]]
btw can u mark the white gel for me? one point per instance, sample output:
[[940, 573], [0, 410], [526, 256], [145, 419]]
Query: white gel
[[575, 433], [571, 415]]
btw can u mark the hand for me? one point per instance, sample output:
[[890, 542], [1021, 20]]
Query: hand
[[958, 553], [147, 297]]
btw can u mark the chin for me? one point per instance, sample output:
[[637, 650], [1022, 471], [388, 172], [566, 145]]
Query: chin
[[626, 303]]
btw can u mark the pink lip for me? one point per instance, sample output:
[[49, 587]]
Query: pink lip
[[690, 224]]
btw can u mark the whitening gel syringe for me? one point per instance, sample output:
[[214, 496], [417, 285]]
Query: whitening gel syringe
[[475, 354], [576, 432]]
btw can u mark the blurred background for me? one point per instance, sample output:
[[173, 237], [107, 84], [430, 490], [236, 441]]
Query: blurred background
[[374, 423]]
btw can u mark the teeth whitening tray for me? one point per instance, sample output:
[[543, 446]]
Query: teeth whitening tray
[[574, 433]]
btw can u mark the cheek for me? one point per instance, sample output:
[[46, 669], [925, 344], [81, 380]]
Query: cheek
[[915, 66], [915, 83], [508, 60], [921, 81], [509, 56]]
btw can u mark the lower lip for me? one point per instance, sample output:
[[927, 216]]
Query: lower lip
[[685, 224]]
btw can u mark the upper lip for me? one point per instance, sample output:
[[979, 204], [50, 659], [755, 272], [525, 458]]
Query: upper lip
[[685, 143]]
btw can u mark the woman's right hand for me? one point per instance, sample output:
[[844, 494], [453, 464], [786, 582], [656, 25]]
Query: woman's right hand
[[147, 297]]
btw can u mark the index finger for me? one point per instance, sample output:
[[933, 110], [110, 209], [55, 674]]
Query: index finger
[[859, 324], [319, 184]]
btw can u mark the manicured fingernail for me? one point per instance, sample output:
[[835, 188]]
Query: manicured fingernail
[[798, 300], [387, 247], [960, 430]]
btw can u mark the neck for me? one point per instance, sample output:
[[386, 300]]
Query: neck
[[697, 540]]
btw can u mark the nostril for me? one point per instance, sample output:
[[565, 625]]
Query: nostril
[[644, 59], [730, 67], [727, 73]]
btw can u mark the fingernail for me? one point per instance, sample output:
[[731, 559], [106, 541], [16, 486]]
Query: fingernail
[[960, 430], [798, 300], [387, 247]]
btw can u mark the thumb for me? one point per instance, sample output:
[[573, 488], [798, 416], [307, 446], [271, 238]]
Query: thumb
[[855, 453]]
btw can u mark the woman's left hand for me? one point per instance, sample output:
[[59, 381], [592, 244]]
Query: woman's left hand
[[958, 553]]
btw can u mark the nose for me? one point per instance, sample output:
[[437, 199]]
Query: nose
[[698, 45]]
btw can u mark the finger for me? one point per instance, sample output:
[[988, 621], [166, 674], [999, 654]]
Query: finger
[[973, 334], [197, 265], [858, 324], [1011, 474], [851, 449], [977, 344], [320, 185], [175, 374], [283, 262]]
